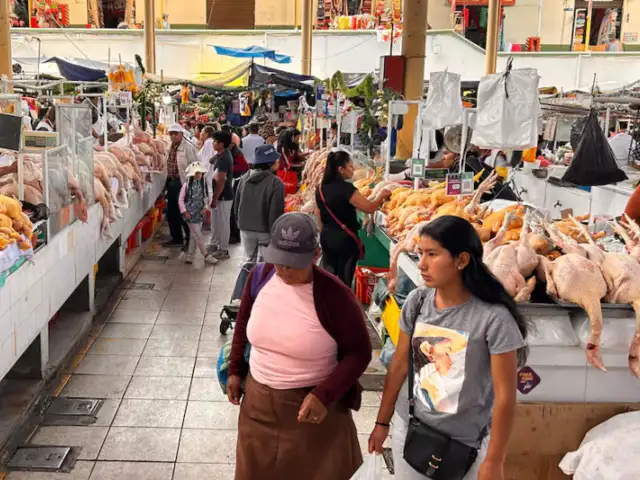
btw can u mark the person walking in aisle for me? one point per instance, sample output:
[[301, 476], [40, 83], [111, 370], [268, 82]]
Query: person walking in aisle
[[337, 201], [251, 142], [180, 155], [222, 201], [193, 201], [452, 378], [309, 347], [259, 201]]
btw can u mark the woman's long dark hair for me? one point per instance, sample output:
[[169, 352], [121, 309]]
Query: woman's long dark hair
[[458, 236], [335, 160], [286, 143]]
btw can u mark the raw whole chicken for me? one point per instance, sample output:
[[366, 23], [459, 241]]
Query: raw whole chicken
[[31, 195], [101, 197], [512, 263], [621, 272], [574, 278]]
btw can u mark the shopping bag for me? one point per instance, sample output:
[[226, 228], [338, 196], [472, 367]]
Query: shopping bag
[[371, 469], [444, 101], [508, 110], [593, 163], [290, 180]]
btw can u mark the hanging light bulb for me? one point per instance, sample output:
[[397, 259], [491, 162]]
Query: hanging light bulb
[[166, 98]]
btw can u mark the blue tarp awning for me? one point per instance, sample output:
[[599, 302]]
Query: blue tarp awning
[[253, 51], [77, 73]]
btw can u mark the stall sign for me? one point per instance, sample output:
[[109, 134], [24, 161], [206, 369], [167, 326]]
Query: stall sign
[[417, 167], [459, 184], [528, 379], [630, 37], [435, 173]]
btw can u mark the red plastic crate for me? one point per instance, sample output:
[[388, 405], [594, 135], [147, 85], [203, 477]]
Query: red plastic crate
[[366, 279]]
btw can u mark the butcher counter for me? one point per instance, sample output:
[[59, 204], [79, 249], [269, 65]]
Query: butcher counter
[[557, 368], [65, 266]]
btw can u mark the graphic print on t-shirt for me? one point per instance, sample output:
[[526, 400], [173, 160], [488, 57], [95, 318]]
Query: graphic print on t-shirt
[[439, 364]]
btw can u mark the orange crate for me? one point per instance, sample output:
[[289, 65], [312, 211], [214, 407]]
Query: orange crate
[[366, 279]]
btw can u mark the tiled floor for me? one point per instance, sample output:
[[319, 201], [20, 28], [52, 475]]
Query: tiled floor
[[165, 417]]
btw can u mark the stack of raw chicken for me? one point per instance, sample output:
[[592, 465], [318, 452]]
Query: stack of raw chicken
[[312, 178], [127, 164], [522, 247], [15, 226]]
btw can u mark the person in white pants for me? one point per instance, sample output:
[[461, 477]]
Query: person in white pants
[[222, 202]]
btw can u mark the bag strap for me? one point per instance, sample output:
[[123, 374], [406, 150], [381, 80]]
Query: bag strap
[[346, 229], [411, 371], [261, 275]]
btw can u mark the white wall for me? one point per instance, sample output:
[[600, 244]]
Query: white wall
[[188, 54]]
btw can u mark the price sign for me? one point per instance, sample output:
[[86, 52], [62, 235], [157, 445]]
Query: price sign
[[435, 173], [459, 184], [417, 167]]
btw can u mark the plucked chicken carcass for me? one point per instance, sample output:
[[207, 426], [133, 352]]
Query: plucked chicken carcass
[[621, 272], [574, 278], [103, 200], [512, 263]]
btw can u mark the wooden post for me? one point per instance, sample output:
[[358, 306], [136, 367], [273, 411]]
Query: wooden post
[[6, 66], [150, 35], [414, 40], [493, 29], [307, 32]]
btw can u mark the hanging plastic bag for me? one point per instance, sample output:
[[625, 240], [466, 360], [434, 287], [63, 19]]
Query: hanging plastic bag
[[593, 163], [508, 110], [577, 128], [444, 101], [371, 469]]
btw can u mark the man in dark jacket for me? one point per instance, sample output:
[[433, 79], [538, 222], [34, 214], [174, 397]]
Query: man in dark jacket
[[259, 200]]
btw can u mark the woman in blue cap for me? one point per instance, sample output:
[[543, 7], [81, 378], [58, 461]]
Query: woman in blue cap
[[259, 200]]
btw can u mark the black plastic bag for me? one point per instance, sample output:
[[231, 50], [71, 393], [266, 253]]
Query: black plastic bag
[[577, 128], [593, 163]]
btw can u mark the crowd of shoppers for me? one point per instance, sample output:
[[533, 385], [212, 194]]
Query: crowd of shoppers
[[300, 342]]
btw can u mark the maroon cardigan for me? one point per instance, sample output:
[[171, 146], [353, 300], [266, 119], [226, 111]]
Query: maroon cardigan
[[341, 316]]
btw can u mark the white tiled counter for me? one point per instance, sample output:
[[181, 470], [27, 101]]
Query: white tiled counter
[[37, 290]]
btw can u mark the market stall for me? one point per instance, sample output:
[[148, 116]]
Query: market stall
[[550, 220], [92, 187]]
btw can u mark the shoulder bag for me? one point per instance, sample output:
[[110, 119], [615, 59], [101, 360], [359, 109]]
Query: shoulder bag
[[429, 451], [346, 229]]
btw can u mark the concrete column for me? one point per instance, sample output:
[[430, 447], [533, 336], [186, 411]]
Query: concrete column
[[5, 40], [307, 33], [414, 39], [493, 29], [149, 35]]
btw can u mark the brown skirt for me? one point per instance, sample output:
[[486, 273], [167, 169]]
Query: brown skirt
[[273, 445]]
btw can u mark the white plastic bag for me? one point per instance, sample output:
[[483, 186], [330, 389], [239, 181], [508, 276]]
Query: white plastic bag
[[371, 469], [508, 110], [610, 451], [552, 331], [444, 101]]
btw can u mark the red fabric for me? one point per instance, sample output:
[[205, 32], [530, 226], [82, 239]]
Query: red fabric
[[342, 318], [240, 164], [633, 206], [290, 180], [287, 159]]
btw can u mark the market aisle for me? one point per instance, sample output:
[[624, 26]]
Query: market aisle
[[154, 361]]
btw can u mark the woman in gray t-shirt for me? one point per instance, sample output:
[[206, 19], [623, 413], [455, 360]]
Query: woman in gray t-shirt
[[468, 339]]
